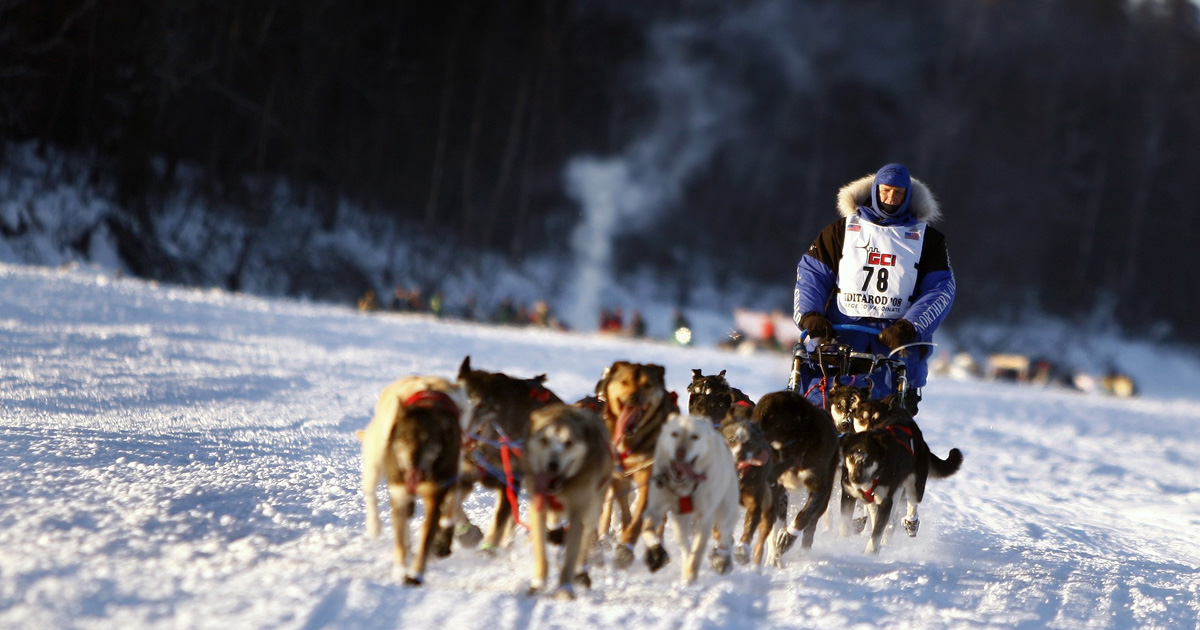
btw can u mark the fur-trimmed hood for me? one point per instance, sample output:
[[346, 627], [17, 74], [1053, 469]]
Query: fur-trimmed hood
[[922, 204]]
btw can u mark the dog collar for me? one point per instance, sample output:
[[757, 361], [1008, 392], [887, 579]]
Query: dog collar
[[869, 494], [548, 499]]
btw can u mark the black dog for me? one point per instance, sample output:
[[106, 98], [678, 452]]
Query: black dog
[[713, 397], [843, 401], [498, 428], [886, 455], [805, 449]]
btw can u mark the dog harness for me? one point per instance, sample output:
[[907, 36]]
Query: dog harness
[[685, 501], [869, 494], [434, 400], [893, 428]]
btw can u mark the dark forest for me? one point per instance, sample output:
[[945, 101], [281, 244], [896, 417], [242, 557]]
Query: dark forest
[[1060, 136]]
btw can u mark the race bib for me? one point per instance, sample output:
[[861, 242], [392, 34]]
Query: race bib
[[878, 271]]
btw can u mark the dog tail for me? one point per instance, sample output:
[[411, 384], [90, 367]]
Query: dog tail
[[374, 449], [942, 468]]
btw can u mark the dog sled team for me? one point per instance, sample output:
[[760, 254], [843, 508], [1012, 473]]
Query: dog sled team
[[630, 456], [875, 282]]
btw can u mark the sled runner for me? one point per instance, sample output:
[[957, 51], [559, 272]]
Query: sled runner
[[816, 368]]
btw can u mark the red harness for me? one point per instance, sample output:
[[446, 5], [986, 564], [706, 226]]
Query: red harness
[[432, 399], [893, 428], [869, 494]]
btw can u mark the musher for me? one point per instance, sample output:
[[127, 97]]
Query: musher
[[883, 266]]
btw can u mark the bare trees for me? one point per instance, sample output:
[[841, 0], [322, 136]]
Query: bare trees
[[1058, 133]]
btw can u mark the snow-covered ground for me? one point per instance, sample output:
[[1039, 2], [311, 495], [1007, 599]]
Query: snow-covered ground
[[179, 458]]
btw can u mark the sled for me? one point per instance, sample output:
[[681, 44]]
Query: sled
[[817, 368]]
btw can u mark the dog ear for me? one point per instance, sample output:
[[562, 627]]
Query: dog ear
[[465, 368], [602, 384], [722, 374], [697, 373], [657, 371]]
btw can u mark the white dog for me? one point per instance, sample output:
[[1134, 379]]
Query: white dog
[[694, 478]]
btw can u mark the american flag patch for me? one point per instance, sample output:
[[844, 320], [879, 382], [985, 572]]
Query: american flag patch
[[912, 236], [853, 227]]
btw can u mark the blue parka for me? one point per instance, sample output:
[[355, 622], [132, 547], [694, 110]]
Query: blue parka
[[817, 272]]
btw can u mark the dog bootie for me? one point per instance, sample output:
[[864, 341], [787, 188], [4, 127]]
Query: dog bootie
[[719, 560], [656, 558], [623, 556], [584, 580], [442, 539], [860, 524], [741, 553], [468, 534], [783, 541], [910, 527], [556, 536]]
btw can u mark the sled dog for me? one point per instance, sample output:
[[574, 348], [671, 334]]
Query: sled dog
[[712, 396], [805, 450], [888, 456], [756, 486], [569, 468], [636, 405], [843, 400], [693, 479], [413, 443], [499, 425]]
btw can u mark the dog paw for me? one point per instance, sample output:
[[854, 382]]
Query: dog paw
[[442, 540], [860, 524], [468, 534], [488, 549], [556, 536], [584, 580], [720, 561], [564, 593], [910, 527], [783, 542], [413, 580], [741, 554], [656, 558], [623, 556]]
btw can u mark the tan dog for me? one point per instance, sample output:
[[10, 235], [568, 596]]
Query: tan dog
[[413, 443], [636, 405], [695, 480], [568, 471]]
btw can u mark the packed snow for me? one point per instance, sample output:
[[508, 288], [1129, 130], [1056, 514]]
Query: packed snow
[[174, 457]]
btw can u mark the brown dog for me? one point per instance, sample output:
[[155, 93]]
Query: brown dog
[[413, 442], [498, 426], [636, 405], [712, 396], [569, 468], [756, 486]]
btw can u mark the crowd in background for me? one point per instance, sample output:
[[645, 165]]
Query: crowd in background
[[510, 313]]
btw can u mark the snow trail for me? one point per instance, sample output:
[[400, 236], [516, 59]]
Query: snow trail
[[174, 457]]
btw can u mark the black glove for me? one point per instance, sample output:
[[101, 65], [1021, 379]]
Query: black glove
[[898, 334], [817, 325]]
